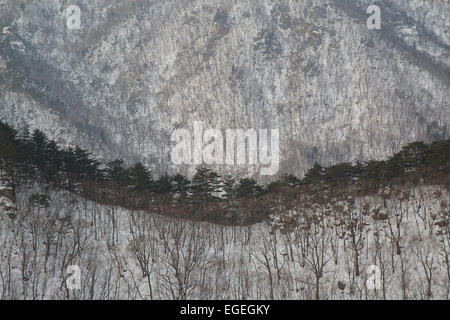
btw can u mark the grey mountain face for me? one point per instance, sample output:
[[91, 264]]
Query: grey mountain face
[[137, 70]]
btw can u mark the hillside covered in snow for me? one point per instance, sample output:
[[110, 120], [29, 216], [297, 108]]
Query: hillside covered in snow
[[320, 252], [379, 230], [137, 70]]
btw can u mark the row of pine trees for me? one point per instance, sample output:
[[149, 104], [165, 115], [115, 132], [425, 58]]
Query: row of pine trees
[[31, 156], [28, 157]]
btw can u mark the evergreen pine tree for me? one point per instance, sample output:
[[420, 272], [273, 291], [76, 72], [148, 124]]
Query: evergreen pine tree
[[205, 184], [288, 180], [315, 174], [140, 178], [229, 187], [248, 188], [180, 186]]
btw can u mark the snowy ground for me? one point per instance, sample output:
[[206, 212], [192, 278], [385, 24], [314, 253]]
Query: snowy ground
[[138, 255]]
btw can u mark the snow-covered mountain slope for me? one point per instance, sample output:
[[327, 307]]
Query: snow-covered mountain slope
[[137, 70], [398, 233]]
